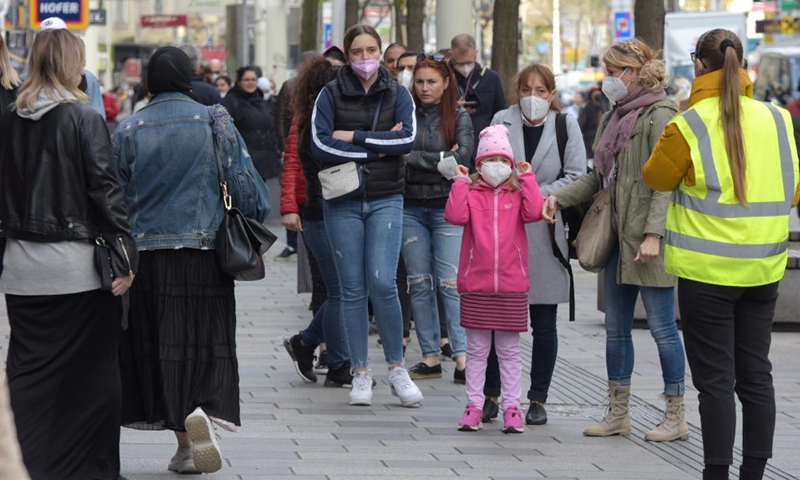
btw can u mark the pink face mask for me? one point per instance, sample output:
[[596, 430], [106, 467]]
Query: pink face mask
[[365, 68]]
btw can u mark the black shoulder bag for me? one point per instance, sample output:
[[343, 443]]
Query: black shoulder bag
[[241, 242]]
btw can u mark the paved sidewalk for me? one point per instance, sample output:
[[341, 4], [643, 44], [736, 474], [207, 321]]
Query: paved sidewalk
[[292, 429]]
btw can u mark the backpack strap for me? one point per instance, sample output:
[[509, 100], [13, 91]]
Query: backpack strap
[[561, 140]]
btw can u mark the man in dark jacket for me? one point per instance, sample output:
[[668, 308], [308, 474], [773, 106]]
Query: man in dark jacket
[[479, 88], [205, 92]]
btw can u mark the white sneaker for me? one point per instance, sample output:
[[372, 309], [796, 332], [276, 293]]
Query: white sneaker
[[205, 449], [361, 389], [404, 388], [182, 462]]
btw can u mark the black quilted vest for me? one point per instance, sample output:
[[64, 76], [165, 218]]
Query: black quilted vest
[[355, 111]]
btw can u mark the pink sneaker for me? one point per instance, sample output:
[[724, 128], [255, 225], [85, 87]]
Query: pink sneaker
[[471, 420], [512, 421]]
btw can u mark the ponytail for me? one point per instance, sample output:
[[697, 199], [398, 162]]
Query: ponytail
[[721, 49], [731, 124]]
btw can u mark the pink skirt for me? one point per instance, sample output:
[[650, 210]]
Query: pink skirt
[[506, 312]]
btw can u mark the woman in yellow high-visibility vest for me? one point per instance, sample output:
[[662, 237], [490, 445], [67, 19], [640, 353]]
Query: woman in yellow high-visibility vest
[[732, 163]]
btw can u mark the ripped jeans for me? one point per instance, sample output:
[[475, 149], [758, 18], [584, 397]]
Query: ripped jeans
[[431, 248], [365, 236]]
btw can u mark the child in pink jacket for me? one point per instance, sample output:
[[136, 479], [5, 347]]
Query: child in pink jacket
[[494, 206]]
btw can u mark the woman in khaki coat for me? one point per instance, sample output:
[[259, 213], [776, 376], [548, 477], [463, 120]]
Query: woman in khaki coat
[[627, 134]]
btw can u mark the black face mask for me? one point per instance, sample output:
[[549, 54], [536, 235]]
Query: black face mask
[[83, 86]]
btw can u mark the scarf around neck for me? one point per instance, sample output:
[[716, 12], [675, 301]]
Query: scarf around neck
[[617, 134]]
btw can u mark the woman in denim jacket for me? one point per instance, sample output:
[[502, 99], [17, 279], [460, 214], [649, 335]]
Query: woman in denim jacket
[[179, 363]]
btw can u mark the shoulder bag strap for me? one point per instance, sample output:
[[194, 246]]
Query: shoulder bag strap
[[377, 112], [227, 200]]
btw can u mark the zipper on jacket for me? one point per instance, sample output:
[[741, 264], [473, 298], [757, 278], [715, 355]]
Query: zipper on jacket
[[496, 242], [127, 258], [469, 265], [521, 264]]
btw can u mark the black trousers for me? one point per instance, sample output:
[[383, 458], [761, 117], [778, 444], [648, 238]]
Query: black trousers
[[543, 355], [728, 331]]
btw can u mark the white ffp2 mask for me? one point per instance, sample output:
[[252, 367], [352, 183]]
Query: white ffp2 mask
[[495, 173]]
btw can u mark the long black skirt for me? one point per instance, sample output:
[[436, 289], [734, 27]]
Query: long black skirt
[[179, 350], [63, 379]]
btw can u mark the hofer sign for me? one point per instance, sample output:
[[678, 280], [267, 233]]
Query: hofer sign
[[75, 13]]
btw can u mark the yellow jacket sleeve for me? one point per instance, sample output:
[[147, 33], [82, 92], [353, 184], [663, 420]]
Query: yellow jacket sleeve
[[670, 162]]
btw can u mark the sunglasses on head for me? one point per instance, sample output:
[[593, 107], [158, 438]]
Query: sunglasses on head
[[436, 57]]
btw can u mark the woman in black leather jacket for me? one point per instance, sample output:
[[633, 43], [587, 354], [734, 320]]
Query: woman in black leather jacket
[[430, 245], [255, 121], [59, 193]]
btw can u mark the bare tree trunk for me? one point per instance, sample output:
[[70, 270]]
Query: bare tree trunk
[[350, 13], [505, 41], [414, 25], [399, 23], [308, 37], [648, 20]]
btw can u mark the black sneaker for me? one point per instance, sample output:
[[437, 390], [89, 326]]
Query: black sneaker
[[490, 410], [536, 415], [447, 350], [322, 363], [460, 376], [422, 371], [286, 255], [303, 357], [339, 377]]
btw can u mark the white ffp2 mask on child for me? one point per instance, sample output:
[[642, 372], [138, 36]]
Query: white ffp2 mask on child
[[495, 173]]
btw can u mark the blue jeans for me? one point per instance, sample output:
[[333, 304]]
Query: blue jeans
[[365, 236], [431, 249], [326, 326], [659, 303]]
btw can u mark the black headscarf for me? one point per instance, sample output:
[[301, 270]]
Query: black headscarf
[[169, 70]]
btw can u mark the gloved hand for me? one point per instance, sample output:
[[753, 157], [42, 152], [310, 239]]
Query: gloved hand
[[447, 166]]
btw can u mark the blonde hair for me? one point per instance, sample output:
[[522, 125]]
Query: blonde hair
[[512, 180], [8, 76], [56, 60], [728, 58], [635, 54]]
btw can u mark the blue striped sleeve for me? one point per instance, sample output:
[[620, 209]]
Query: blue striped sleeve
[[327, 149]]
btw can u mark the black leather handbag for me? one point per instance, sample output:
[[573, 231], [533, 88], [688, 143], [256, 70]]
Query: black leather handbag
[[102, 263], [241, 242]]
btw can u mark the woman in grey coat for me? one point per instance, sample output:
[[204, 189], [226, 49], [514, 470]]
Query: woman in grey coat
[[531, 126]]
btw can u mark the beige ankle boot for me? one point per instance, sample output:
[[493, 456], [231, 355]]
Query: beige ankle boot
[[618, 418], [673, 426]]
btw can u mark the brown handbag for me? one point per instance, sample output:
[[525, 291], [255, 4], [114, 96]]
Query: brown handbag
[[597, 236]]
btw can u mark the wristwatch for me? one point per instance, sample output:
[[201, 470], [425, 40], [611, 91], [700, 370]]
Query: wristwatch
[[653, 235]]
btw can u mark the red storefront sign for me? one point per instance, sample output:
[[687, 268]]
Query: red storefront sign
[[163, 21]]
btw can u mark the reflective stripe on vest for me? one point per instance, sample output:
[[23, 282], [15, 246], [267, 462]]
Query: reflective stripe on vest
[[710, 205], [712, 238]]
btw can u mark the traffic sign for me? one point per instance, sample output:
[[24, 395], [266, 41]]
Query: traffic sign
[[787, 5], [75, 13], [623, 25]]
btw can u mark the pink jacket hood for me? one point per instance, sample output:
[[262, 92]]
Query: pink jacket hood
[[494, 247]]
